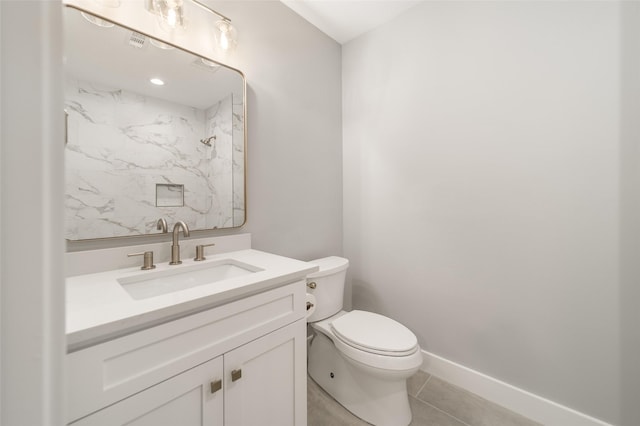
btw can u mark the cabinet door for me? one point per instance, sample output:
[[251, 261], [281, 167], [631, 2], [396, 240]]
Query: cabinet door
[[266, 381], [188, 399]]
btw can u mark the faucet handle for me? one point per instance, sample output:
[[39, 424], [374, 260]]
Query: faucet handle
[[200, 251], [148, 259]]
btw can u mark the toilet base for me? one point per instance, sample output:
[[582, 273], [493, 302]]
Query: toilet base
[[379, 401]]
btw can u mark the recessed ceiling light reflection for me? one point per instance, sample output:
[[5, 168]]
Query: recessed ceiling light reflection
[[161, 45], [209, 63], [157, 82], [96, 21]]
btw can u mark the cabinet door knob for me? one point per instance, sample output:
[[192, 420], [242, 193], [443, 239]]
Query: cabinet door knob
[[216, 386], [236, 374]]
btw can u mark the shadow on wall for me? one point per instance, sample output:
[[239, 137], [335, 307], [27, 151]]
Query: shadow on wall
[[364, 297]]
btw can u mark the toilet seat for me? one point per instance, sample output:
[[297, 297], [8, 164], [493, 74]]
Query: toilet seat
[[384, 358], [374, 333]]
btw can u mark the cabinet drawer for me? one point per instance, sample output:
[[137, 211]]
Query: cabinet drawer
[[109, 372]]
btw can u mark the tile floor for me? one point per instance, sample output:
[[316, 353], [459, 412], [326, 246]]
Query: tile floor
[[434, 402]]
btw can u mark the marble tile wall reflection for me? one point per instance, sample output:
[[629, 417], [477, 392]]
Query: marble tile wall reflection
[[238, 161], [121, 144]]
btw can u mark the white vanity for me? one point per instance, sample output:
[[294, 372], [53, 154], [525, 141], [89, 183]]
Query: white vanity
[[166, 347], [220, 341]]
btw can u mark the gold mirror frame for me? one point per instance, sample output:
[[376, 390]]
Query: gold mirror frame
[[150, 221]]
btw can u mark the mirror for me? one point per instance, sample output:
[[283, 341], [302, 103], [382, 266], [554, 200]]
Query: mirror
[[138, 151]]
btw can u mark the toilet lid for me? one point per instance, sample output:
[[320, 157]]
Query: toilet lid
[[374, 333]]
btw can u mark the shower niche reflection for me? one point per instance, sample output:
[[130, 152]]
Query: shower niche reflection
[[138, 150]]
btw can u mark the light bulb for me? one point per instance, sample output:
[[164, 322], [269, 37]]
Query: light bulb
[[171, 18], [226, 35], [170, 14], [224, 41]]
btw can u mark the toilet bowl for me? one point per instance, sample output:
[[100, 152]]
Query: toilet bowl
[[362, 359]]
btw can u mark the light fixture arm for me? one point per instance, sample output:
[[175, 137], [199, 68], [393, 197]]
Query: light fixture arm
[[205, 7]]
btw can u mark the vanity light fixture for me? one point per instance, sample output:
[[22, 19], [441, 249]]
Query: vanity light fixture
[[170, 13], [225, 34], [157, 81], [108, 3], [171, 16]]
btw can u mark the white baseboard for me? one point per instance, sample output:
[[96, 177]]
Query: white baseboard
[[520, 401]]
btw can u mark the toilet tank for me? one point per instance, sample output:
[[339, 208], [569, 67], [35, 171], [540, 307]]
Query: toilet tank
[[329, 286]]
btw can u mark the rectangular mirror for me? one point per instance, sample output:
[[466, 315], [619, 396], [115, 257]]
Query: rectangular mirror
[[153, 132]]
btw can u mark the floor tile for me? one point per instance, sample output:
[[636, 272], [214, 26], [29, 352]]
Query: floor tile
[[468, 407], [323, 410], [415, 382], [426, 415], [438, 403]]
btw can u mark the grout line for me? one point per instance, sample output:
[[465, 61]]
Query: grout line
[[442, 411], [352, 417], [490, 405], [423, 385]]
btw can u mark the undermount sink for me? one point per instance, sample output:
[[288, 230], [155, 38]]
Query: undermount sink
[[155, 283]]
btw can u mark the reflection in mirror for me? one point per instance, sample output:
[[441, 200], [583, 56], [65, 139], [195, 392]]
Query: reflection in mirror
[[138, 150]]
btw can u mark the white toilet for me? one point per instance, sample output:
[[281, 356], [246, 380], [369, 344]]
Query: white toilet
[[360, 358]]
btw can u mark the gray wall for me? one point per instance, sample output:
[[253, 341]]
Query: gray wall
[[630, 214], [294, 186], [32, 339], [295, 130], [486, 179], [482, 190]]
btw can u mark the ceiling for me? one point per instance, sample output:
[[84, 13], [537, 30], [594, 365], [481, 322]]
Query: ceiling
[[344, 20], [96, 54]]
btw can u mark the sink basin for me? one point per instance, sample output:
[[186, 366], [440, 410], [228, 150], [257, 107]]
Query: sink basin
[[155, 283]]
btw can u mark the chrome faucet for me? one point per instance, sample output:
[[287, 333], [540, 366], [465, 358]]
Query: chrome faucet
[[175, 247]]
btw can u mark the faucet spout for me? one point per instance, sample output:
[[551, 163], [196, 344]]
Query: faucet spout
[[176, 231], [161, 225], [175, 246]]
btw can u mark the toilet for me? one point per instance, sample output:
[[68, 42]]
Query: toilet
[[362, 359]]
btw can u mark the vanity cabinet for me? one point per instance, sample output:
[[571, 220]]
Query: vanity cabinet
[[242, 363], [272, 381], [184, 400]]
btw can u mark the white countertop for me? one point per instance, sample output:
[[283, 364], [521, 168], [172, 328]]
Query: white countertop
[[100, 309]]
